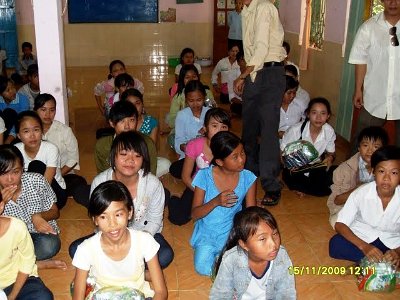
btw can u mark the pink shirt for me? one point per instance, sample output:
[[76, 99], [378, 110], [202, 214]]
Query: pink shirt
[[194, 150]]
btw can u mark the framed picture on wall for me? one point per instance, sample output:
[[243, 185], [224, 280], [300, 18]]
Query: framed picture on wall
[[221, 4], [221, 18], [231, 4]]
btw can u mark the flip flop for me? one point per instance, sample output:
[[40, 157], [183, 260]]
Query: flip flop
[[271, 198]]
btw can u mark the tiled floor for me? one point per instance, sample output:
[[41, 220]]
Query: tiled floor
[[303, 222]]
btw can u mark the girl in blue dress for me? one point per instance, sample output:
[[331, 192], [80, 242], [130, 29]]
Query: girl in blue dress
[[219, 192]]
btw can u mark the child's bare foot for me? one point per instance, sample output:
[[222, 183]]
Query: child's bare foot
[[299, 194], [51, 264]]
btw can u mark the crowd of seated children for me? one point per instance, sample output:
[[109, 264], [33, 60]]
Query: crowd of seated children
[[106, 88], [19, 278], [316, 130], [197, 156], [147, 125], [355, 171], [369, 223], [29, 197], [62, 136], [40, 156], [302, 96], [219, 193], [31, 89], [116, 255], [186, 58], [130, 164], [11, 103], [27, 58], [291, 113], [254, 264], [223, 68], [123, 117]]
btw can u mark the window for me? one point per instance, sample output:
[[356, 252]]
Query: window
[[318, 9]]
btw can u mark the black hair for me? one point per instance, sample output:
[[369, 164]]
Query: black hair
[[319, 100], [131, 92], [286, 45], [124, 79], [107, 192], [373, 133], [112, 64], [195, 85], [17, 79], [239, 55], [222, 145], [26, 45], [233, 45], [27, 114], [42, 99], [3, 83], [133, 141], [219, 115], [184, 52], [182, 74], [291, 83], [385, 153], [9, 154], [291, 69], [33, 70], [122, 110], [245, 225]]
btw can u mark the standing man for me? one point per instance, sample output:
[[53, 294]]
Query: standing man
[[262, 84], [376, 56]]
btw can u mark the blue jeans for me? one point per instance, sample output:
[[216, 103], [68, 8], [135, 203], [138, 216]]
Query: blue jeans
[[340, 248], [33, 289], [46, 245], [165, 253]]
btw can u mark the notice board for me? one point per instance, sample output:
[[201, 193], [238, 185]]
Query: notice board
[[113, 11]]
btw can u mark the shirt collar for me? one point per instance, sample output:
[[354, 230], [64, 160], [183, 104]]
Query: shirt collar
[[251, 8]]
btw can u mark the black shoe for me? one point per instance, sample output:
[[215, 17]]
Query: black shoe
[[271, 198]]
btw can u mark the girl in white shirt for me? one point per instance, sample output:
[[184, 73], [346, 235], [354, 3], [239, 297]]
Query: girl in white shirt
[[40, 156], [369, 223], [318, 132]]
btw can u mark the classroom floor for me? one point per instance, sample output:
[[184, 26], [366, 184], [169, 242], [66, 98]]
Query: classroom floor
[[303, 222]]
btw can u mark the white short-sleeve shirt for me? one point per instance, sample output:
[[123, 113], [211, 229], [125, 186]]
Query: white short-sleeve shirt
[[49, 155], [324, 142], [127, 272], [291, 116], [363, 213]]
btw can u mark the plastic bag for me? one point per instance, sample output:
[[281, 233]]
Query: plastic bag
[[376, 277], [117, 293], [298, 154]]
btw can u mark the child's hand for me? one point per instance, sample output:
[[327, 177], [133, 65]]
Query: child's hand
[[227, 198], [8, 192], [41, 225], [373, 253], [392, 256]]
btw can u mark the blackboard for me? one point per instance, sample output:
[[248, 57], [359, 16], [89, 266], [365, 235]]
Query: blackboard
[[113, 11]]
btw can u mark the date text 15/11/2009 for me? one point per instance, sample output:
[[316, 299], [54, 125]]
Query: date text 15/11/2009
[[330, 270]]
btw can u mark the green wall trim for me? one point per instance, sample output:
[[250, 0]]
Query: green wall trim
[[345, 108]]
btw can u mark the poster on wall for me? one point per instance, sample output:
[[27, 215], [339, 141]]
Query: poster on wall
[[113, 11], [221, 18], [221, 4], [231, 4], [188, 1]]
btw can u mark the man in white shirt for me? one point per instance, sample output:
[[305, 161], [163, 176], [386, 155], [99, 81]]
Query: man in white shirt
[[263, 84], [376, 56]]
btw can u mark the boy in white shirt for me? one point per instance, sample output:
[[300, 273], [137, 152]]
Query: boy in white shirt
[[369, 223]]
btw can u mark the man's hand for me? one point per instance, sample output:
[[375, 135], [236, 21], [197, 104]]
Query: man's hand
[[358, 101], [238, 85]]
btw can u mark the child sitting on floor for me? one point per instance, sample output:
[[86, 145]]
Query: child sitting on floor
[[291, 112], [253, 264], [355, 171], [369, 223], [19, 278]]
